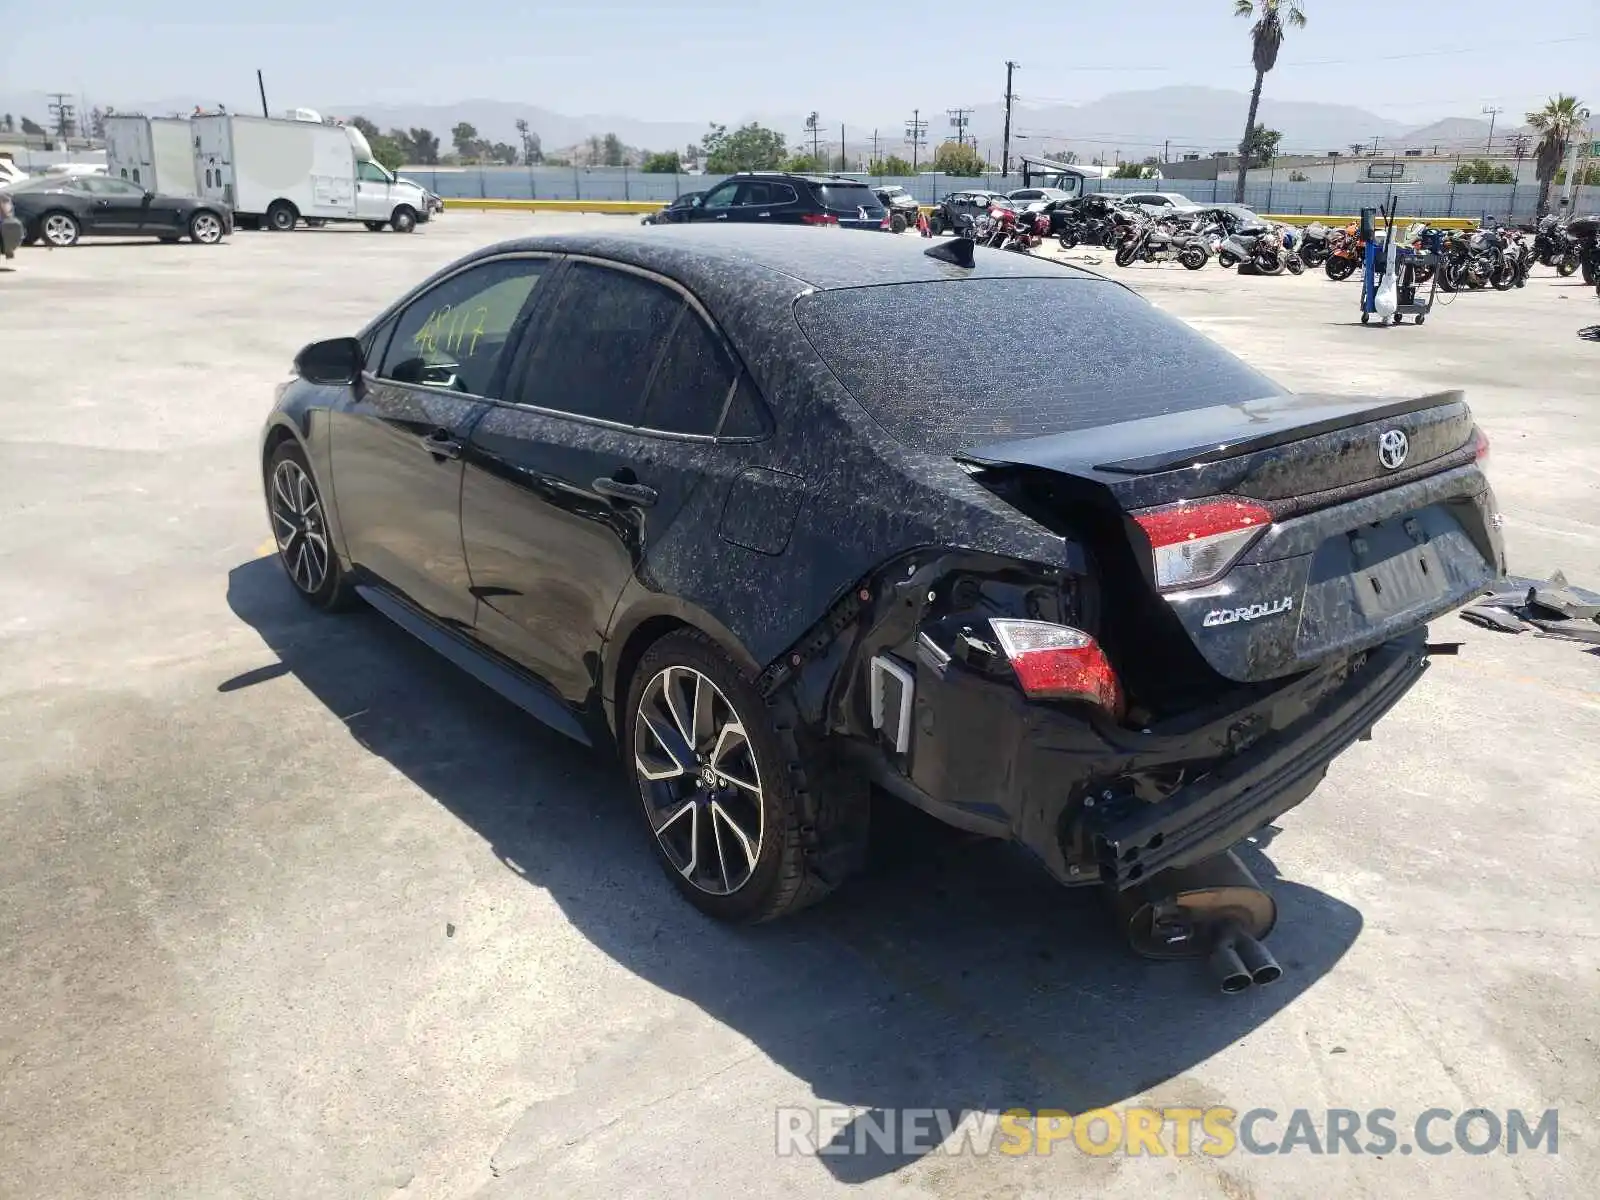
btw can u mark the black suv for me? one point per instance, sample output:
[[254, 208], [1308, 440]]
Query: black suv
[[779, 198]]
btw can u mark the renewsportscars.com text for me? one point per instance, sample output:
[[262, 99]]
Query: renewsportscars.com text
[[1162, 1132]]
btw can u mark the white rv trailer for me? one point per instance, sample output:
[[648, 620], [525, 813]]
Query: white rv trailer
[[276, 173]]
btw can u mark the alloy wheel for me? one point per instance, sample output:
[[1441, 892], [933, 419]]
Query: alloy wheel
[[699, 780], [298, 528], [60, 230], [207, 229]]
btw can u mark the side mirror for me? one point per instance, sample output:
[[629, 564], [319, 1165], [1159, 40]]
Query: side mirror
[[697, 202], [335, 362]]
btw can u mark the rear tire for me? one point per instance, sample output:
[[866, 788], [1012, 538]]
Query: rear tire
[[298, 520], [1067, 240], [745, 825], [404, 219], [1193, 257], [897, 223], [935, 225], [59, 229], [281, 216]]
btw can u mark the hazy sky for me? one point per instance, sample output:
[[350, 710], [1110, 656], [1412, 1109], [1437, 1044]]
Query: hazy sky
[[698, 59]]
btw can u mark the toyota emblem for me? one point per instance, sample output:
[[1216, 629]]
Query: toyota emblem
[[1393, 447]]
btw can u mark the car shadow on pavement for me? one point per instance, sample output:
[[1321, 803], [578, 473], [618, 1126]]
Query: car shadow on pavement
[[953, 976]]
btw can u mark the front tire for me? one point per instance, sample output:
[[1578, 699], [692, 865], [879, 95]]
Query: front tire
[[59, 229], [300, 530], [205, 228], [1339, 269], [377, 226], [1193, 257], [404, 220], [282, 216], [744, 828]]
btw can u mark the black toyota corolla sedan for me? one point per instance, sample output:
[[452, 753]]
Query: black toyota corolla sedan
[[777, 514], [58, 210]]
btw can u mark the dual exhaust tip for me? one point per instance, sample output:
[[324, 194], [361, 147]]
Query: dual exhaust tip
[[1238, 961]]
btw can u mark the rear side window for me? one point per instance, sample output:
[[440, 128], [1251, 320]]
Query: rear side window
[[923, 360], [847, 198], [690, 387], [454, 335], [605, 332]]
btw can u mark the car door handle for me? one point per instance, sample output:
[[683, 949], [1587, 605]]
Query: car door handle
[[637, 494], [440, 444], [722, 216]]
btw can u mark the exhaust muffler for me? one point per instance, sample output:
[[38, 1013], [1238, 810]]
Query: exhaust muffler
[[1213, 910]]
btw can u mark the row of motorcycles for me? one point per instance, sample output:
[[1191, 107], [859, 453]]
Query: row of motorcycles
[[1498, 257]]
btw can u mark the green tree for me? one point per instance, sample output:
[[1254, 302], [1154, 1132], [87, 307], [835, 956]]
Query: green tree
[[367, 128], [803, 164], [33, 127], [1481, 170], [1263, 145], [893, 165], [1266, 38], [387, 152], [667, 162], [1555, 123], [748, 148], [612, 151], [1128, 170], [957, 158], [503, 153], [424, 147], [1299, 177], [1588, 177], [465, 137]]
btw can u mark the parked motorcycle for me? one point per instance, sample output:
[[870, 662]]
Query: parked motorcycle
[[1157, 242], [1268, 248], [1554, 246], [1314, 248]]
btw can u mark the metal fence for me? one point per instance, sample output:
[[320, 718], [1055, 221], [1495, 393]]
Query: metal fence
[[1276, 196]]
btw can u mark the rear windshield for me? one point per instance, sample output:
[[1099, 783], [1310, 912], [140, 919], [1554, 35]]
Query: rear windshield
[[952, 366], [847, 198]]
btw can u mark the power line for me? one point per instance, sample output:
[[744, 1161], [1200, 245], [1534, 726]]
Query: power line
[[960, 118], [916, 132], [1005, 152]]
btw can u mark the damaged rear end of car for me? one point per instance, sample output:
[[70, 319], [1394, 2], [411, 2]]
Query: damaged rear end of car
[[1243, 592]]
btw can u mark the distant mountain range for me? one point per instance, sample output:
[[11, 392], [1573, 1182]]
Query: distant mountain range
[[1134, 124]]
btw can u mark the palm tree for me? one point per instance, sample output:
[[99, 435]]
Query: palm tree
[[1266, 36], [1560, 118]]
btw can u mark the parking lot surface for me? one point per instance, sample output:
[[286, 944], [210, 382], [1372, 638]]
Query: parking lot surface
[[289, 907]]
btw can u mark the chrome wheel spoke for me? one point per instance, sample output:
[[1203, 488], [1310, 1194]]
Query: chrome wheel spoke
[[721, 817], [651, 766], [297, 527], [731, 753]]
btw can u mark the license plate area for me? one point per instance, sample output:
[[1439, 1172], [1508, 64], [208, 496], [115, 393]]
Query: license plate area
[[1392, 565]]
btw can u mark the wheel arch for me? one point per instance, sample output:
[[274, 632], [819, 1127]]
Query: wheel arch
[[642, 619]]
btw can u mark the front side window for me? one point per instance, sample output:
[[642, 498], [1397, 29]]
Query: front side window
[[454, 335], [371, 173], [721, 197], [605, 332], [98, 185]]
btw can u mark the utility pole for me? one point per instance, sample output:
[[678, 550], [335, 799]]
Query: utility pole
[[960, 118], [1005, 150], [62, 113], [1491, 112], [875, 159], [843, 164], [262, 86], [915, 131], [1165, 147]]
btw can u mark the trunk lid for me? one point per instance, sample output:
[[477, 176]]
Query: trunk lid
[[1375, 516]]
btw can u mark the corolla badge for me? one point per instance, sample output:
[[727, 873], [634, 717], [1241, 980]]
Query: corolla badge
[[1249, 612], [1393, 446]]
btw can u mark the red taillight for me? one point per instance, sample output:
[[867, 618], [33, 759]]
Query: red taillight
[[1058, 662], [1195, 541], [818, 219], [1480, 445]]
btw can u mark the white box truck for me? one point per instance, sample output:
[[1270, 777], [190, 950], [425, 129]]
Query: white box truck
[[276, 173], [155, 152]]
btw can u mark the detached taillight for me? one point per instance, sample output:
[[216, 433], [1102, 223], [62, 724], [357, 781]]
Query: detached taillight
[[1058, 662], [1196, 541], [818, 219], [1480, 445]]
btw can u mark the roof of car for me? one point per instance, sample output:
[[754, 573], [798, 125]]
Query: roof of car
[[716, 256]]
